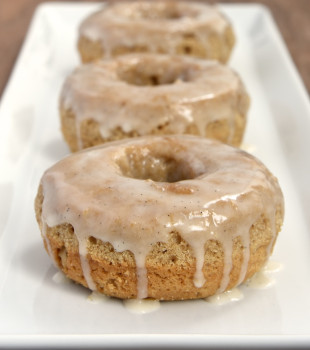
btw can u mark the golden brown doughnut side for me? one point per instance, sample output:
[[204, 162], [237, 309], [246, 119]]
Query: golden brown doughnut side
[[221, 47], [170, 266], [90, 134]]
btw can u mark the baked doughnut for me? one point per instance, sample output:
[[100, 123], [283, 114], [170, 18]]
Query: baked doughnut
[[142, 94], [165, 217], [173, 27]]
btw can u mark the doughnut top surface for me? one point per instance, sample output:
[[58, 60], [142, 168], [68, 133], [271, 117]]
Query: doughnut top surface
[[152, 22], [132, 193]]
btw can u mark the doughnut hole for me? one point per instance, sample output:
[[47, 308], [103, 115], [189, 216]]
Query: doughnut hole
[[146, 164], [148, 72]]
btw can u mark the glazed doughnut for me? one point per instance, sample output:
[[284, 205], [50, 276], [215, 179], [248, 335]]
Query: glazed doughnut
[[173, 27], [164, 217], [141, 94]]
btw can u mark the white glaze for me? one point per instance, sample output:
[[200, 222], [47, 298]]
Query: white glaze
[[96, 298], [190, 91], [138, 306], [60, 278], [262, 278], [229, 296], [155, 26], [272, 266], [226, 194], [47, 242], [249, 148]]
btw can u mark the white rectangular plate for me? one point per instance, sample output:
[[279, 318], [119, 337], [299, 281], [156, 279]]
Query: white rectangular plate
[[36, 312]]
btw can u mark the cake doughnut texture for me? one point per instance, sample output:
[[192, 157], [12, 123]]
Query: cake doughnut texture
[[165, 217], [173, 27], [142, 94]]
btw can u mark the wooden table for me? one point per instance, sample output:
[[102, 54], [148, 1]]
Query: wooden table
[[292, 17]]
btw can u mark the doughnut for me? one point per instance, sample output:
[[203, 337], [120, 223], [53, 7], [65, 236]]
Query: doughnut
[[173, 27], [168, 217], [142, 94]]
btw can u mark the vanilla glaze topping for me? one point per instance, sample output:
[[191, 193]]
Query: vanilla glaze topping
[[153, 25], [143, 93]]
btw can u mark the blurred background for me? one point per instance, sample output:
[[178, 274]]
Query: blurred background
[[292, 18]]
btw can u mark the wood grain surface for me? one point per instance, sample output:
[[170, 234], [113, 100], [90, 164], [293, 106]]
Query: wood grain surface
[[292, 18]]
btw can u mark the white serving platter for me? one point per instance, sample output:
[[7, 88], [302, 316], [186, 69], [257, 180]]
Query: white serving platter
[[37, 312]]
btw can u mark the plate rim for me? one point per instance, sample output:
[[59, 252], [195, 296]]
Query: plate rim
[[167, 340]]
